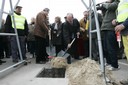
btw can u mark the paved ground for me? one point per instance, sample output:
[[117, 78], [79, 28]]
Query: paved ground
[[26, 75], [122, 74]]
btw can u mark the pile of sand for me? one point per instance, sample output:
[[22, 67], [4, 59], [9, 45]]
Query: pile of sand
[[82, 72], [86, 72], [58, 62]]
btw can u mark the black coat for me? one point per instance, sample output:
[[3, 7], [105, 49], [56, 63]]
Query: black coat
[[70, 30], [56, 34]]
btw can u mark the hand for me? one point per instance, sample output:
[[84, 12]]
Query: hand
[[57, 35], [49, 31], [114, 22], [82, 29], [118, 28], [69, 45], [78, 34]]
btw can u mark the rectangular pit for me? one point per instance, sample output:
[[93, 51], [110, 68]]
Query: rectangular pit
[[52, 73]]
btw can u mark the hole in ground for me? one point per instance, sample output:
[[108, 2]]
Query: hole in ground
[[52, 73]]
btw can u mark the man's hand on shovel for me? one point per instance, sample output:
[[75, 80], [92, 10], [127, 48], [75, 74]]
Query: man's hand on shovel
[[69, 45]]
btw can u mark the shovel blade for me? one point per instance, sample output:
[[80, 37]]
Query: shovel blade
[[51, 51], [66, 55], [63, 54]]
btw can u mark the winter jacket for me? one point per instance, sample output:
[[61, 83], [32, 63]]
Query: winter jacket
[[84, 24], [109, 15], [10, 29], [41, 26], [56, 34], [70, 31]]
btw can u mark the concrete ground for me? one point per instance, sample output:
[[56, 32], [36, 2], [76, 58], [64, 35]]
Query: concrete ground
[[121, 74], [26, 75]]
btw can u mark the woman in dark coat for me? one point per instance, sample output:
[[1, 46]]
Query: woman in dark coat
[[56, 30]]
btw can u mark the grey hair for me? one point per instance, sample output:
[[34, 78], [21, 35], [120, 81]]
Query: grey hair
[[69, 14]]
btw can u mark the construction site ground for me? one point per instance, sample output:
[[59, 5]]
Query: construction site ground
[[27, 74]]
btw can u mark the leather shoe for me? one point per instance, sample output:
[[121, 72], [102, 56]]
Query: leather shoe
[[15, 61], [41, 62], [2, 61]]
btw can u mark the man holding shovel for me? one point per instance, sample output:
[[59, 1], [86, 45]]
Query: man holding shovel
[[71, 30], [41, 33]]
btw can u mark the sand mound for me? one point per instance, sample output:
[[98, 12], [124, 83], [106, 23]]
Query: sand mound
[[85, 72], [59, 62], [82, 72]]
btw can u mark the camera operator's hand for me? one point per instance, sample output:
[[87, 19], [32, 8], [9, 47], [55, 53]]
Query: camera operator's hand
[[69, 45], [114, 22]]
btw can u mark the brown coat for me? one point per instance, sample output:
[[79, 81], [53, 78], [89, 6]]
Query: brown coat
[[41, 26]]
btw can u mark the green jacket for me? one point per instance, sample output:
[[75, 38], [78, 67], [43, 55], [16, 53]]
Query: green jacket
[[109, 15]]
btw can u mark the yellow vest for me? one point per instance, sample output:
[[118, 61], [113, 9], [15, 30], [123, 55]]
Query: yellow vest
[[122, 11], [19, 21]]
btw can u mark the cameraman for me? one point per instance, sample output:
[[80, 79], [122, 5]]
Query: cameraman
[[110, 44]]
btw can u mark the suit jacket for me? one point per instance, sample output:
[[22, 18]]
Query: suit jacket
[[70, 30]]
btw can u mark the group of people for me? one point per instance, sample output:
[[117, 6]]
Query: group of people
[[61, 35], [36, 35], [114, 23]]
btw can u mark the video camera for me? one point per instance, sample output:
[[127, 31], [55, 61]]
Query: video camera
[[99, 6]]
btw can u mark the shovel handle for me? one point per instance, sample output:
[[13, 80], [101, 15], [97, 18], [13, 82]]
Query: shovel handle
[[70, 46], [72, 41]]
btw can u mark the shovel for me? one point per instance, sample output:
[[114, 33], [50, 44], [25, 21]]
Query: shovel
[[64, 53], [50, 49]]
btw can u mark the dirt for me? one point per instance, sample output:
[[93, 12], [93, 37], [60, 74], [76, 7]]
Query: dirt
[[58, 62], [83, 72], [87, 72]]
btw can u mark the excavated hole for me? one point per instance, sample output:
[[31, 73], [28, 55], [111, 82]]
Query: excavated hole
[[52, 73]]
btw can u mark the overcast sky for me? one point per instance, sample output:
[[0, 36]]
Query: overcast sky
[[57, 7]]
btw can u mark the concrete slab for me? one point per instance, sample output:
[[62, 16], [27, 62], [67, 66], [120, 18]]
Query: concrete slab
[[47, 81], [26, 75]]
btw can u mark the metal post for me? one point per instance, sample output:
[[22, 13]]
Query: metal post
[[1, 10], [99, 38], [93, 4], [12, 66], [90, 28], [100, 44], [85, 4], [11, 34], [17, 38]]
